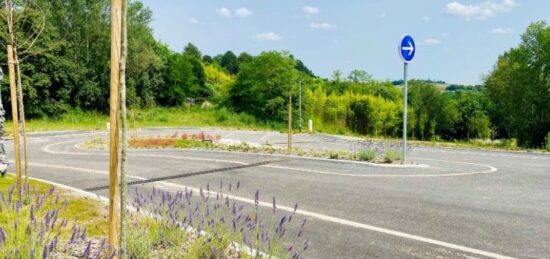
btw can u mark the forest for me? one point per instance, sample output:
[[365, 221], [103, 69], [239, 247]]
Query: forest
[[67, 68]]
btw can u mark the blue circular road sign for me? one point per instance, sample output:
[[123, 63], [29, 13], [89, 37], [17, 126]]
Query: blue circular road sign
[[407, 48]]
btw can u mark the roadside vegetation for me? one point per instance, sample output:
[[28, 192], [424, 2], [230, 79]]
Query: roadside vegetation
[[386, 151], [65, 83], [48, 222]]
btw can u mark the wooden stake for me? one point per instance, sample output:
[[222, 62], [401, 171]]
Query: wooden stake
[[15, 118], [289, 123], [116, 17]]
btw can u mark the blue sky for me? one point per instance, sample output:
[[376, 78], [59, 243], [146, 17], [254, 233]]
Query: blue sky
[[457, 41]]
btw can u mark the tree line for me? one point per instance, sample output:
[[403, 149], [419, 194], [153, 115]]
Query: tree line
[[68, 69]]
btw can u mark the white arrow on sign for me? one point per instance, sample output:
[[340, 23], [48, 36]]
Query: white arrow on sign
[[410, 48]]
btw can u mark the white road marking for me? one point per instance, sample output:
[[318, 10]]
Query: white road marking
[[491, 169], [483, 154], [316, 215]]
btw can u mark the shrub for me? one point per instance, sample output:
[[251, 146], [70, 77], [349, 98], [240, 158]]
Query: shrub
[[392, 155], [509, 143], [333, 155], [547, 146], [366, 155]]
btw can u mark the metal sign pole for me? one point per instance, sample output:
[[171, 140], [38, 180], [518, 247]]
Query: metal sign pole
[[405, 98], [407, 51]]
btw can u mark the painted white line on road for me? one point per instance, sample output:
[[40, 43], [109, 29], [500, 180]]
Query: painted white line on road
[[317, 216], [484, 154], [490, 169], [72, 189]]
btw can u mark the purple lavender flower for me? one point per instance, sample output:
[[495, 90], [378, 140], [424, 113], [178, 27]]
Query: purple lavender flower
[[45, 253], [2, 236], [88, 250]]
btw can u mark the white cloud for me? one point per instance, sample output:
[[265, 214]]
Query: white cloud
[[311, 10], [268, 36], [243, 12], [383, 15], [193, 20], [480, 11], [224, 12], [430, 42], [321, 25], [425, 18], [507, 30]]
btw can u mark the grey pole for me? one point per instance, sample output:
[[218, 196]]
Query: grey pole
[[405, 98], [300, 106]]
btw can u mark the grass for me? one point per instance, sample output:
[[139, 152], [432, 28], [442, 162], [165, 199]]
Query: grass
[[221, 117], [152, 117]]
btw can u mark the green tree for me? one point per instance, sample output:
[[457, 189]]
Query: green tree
[[263, 85], [519, 85], [181, 80], [359, 76], [229, 62], [192, 51], [434, 113]]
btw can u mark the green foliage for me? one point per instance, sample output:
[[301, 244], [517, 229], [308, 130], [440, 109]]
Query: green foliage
[[392, 155], [262, 86], [433, 112], [547, 141], [366, 155], [229, 62], [518, 87], [67, 67]]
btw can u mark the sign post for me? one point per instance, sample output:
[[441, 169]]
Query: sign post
[[407, 50]]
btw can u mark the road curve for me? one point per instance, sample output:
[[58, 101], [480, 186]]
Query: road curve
[[465, 203]]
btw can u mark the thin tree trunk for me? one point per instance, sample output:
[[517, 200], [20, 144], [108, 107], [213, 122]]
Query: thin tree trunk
[[123, 134], [22, 123]]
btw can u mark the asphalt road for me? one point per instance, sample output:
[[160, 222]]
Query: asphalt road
[[459, 204]]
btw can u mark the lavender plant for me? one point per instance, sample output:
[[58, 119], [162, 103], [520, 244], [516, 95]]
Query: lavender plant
[[35, 227], [216, 226]]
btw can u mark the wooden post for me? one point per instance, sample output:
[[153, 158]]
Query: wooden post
[[289, 123], [116, 17], [15, 118]]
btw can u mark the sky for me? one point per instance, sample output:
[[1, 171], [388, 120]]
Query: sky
[[457, 41]]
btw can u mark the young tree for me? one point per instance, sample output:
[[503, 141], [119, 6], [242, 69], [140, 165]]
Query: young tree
[[25, 21], [123, 130]]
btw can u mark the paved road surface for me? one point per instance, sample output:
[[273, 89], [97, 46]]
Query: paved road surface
[[464, 204]]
